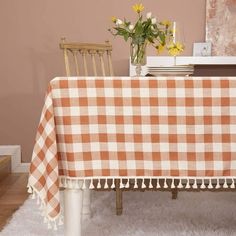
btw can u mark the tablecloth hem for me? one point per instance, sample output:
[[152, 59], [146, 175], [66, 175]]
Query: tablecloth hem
[[52, 222], [108, 182]]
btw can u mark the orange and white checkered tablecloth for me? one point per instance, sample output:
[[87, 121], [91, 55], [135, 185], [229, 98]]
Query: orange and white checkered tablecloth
[[122, 127]]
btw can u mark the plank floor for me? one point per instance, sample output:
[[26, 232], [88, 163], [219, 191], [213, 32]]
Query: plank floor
[[13, 193]]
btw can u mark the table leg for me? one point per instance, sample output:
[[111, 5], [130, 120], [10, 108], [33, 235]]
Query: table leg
[[174, 193], [119, 207], [86, 210], [73, 208]]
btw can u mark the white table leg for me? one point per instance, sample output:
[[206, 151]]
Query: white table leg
[[73, 210], [86, 211]]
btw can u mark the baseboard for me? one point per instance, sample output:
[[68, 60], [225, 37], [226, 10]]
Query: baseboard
[[22, 168], [15, 152]]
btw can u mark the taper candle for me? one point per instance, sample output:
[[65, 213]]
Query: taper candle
[[174, 32]]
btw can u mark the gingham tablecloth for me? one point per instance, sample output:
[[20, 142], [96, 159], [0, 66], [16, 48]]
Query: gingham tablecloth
[[133, 128]]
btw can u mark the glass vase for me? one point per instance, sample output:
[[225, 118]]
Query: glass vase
[[138, 56]]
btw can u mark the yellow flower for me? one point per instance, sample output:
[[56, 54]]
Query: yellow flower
[[147, 29], [166, 23], [179, 46], [160, 48], [113, 19], [175, 49], [138, 7]]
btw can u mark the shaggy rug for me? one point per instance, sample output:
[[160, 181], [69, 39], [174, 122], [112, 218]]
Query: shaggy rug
[[145, 213]]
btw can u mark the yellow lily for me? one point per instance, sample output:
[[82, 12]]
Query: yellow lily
[[180, 46], [175, 49], [166, 23], [138, 7]]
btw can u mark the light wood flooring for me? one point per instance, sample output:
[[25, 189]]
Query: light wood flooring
[[13, 193]]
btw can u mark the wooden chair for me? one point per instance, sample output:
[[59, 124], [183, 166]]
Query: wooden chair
[[87, 58]]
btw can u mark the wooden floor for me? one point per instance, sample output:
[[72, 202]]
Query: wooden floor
[[13, 193]]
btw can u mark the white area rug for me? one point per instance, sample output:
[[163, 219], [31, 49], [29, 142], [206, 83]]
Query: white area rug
[[145, 213]]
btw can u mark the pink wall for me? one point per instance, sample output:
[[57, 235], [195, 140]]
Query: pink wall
[[30, 56]]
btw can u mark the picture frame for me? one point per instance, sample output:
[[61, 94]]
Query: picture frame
[[202, 49]]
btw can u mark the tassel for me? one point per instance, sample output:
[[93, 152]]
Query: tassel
[[65, 183], [91, 186], [232, 185], [195, 184], [165, 184], [203, 186], [210, 186], [173, 183], [187, 184], [180, 185], [225, 184], [158, 184], [70, 183], [127, 184], [99, 184], [217, 184], [135, 183], [121, 183], [143, 184], [150, 184], [61, 182], [84, 184], [106, 184], [113, 184], [29, 189]]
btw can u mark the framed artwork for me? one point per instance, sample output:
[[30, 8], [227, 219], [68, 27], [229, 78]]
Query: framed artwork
[[221, 26]]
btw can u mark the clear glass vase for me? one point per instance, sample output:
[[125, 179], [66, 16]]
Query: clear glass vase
[[138, 56]]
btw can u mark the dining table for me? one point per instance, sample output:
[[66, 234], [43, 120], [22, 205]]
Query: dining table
[[170, 132]]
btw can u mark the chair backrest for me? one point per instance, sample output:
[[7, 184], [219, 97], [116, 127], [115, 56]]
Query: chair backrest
[[87, 59]]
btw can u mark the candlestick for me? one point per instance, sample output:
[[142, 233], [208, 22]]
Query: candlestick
[[174, 32]]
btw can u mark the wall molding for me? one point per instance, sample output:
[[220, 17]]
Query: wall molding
[[15, 152]]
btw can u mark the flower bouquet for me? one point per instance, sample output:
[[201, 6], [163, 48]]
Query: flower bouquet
[[145, 31]]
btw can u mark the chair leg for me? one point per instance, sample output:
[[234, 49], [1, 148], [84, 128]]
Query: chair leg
[[119, 206], [174, 193]]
